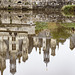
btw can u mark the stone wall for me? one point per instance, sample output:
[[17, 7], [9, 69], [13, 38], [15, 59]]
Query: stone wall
[[19, 4], [31, 17]]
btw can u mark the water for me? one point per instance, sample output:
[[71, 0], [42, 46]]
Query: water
[[37, 43]]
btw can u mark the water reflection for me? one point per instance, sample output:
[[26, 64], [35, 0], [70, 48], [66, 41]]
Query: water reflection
[[18, 36], [28, 17]]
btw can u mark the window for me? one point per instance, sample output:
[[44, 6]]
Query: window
[[10, 33], [13, 39], [13, 46]]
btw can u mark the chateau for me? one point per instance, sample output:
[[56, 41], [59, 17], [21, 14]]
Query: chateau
[[18, 42], [30, 4], [22, 45]]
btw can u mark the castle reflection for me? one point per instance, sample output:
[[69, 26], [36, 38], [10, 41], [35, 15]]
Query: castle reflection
[[14, 45], [18, 41]]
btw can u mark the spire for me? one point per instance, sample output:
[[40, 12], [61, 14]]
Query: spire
[[19, 60], [36, 48], [46, 66], [39, 50], [12, 74], [1, 72]]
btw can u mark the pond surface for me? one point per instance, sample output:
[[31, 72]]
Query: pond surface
[[37, 43]]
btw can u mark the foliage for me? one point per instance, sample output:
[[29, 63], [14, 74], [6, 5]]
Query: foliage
[[40, 26], [46, 25], [68, 14], [68, 25], [68, 9], [60, 32], [57, 30]]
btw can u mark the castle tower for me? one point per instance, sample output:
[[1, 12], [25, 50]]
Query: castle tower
[[36, 42], [40, 45], [3, 46], [46, 57], [2, 64], [53, 46], [72, 42], [19, 56], [25, 49], [44, 43], [13, 63], [46, 52], [30, 44], [13, 42]]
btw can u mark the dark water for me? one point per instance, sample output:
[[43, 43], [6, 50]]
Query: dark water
[[37, 43]]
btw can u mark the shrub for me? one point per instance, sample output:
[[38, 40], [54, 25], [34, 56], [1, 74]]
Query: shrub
[[68, 8]]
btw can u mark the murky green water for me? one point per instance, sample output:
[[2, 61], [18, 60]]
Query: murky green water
[[37, 43]]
